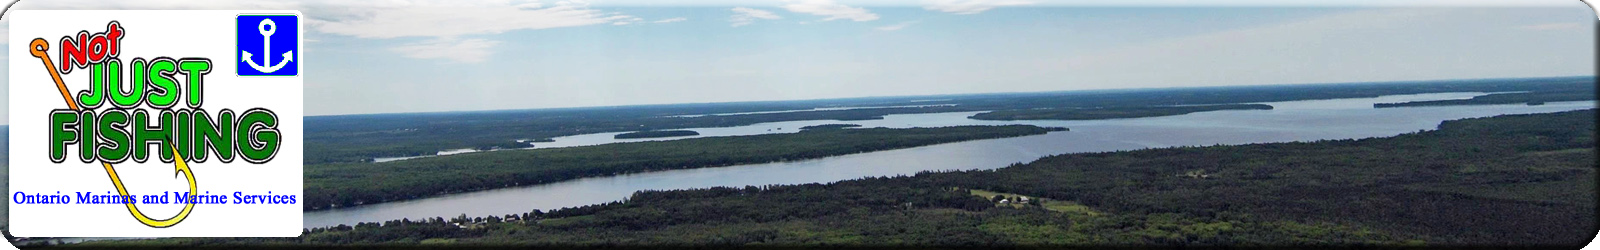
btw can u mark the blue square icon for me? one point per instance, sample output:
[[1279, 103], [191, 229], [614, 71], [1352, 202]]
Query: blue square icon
[[269, 45]]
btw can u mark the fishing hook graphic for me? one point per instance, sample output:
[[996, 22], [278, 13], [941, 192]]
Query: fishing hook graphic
[[39, 48]]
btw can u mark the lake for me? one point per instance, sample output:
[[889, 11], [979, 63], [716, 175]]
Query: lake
[[1288, 121]]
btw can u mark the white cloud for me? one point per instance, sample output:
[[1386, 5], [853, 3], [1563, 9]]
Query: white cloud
[[897, 26], [1555, 26], [744, 16], [449, 21], [5, 31], [671, 20], [462, 18], [628, 20], [1354, 46], [464, 50], [833, 11], [965, 7]]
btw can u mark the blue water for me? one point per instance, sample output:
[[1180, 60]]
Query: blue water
[[1289, 121]]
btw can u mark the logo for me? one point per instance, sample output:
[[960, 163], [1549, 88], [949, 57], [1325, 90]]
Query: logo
[[257, 36], [126, 130]]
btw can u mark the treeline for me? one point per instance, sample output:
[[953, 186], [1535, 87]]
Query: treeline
[[362, 138], [1529, 98], [1517, 180], [830, 126], [359, 138], [897, 211], [655, 134], [1508, 180], [1108, 113], [5, 144], [342, 185]]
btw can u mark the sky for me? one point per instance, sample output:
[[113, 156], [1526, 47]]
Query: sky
[[426, 56]]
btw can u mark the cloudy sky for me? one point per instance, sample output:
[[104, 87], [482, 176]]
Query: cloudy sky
[[420, 56]]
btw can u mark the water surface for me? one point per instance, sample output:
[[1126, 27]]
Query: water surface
[[1289, 121]]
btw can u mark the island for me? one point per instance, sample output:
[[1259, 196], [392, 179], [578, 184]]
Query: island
[[656, 134], [1107, 113], [359, 138], [1529, 98], [830, 126]]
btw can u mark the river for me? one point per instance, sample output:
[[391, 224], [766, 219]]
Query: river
[[1288, 121]]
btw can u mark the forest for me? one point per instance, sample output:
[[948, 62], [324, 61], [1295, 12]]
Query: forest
[[360, 138], [655, 134], [830, 126], [343, 185], [1526, 180], [1108, 113], [1529, 98]]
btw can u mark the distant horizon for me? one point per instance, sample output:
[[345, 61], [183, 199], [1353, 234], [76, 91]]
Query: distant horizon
[[956, 94], [936, 95]]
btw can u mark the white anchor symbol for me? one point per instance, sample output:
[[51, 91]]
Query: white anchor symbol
[[267, 27]]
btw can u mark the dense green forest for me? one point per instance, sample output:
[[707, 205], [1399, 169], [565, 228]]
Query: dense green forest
[[655, 134], [359, 138], [359, 183], [5, 145], [1108, 113], [1530, 98], [830, 126], [1518, 180]]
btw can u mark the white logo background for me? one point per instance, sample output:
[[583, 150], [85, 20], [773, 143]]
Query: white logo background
[[149, 34]]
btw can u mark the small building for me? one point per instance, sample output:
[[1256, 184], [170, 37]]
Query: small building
[[1005, 201]]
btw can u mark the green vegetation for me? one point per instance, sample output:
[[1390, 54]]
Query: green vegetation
[[830, 126], [360, 138], [656, 134], [1047, 204], [1108, 113], [360, 183], [1517, 180], [1530, 98]]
